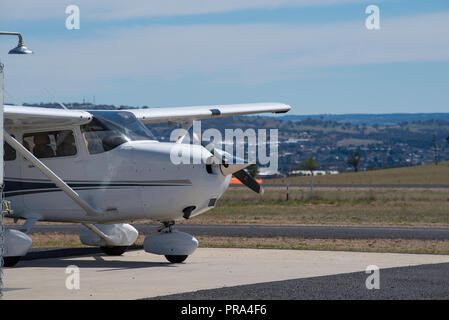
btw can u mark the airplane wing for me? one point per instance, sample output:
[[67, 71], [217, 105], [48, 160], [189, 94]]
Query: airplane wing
[[157, 115], [47, 118], [42, 118]]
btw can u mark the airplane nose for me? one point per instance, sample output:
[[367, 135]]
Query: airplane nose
[[188, 182]]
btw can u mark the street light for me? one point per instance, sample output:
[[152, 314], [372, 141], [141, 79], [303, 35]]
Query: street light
[[21, 48]]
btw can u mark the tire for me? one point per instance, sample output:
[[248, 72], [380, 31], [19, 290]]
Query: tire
[[10, 261], [114, 251], [176, 259]]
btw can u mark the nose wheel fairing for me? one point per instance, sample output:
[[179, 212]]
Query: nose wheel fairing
[[173, 242]]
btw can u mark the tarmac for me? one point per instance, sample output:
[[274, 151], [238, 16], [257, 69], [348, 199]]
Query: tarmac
[[270, 231], [139, 275]]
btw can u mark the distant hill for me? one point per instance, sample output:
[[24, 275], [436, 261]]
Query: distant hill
[[331, 142], [386, 119], [383, 140]]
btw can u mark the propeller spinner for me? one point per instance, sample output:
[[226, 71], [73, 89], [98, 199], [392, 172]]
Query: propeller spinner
[[237, 169]]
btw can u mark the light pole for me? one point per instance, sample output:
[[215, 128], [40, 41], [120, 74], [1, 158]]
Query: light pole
[[20, 49]]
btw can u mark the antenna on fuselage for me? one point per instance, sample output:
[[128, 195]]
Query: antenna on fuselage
[[56, 99]]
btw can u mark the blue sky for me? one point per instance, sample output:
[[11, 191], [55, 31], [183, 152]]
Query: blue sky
[[315, 55]]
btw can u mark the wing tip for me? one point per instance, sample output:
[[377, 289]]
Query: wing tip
[[284, 108]]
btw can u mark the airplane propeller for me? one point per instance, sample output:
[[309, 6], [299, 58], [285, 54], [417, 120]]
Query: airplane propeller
[[244, 177], [237, 170], [230, 165]]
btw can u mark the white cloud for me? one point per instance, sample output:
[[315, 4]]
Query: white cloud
[[114, 9], [255, 53]]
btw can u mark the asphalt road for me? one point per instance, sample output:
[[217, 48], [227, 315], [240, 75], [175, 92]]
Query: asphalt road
[[307, 232], [356, 186], [417, 282]]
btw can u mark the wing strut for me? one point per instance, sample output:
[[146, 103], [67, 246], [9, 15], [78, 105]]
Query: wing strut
[[110, 241], [50, 174]]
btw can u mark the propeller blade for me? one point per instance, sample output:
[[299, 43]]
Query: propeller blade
[[244, 177], [228, 169]]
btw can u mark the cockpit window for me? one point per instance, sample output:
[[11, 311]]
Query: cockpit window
[[109, 129]]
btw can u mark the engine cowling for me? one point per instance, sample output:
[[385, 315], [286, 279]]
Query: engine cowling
[[122, 234], [171, 243]]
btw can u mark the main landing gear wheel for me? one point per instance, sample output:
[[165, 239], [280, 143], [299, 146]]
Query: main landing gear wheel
[[176, 259], [114, 251], [10, 261]]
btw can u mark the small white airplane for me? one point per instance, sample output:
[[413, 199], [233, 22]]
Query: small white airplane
[[104, 168]]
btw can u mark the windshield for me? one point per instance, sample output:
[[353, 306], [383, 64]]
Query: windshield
[[109, 129]]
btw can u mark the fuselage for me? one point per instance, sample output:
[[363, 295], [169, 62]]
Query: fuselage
[[130, 177]]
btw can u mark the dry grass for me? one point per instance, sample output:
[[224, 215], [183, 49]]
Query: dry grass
[[374, 245], [55, 240], [22, 221], [332, 207], [427, 174], [329, 206], [371, 245]]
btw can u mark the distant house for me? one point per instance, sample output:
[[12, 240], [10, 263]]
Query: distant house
[[268, 173], [315, 173]]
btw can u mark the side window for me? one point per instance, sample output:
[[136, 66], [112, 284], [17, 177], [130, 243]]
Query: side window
[[50, 144], [9, 154]]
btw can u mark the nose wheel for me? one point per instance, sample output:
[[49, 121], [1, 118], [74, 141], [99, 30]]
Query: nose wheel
[[12, 261], [175, 259], [168, 227], [176, 246]]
